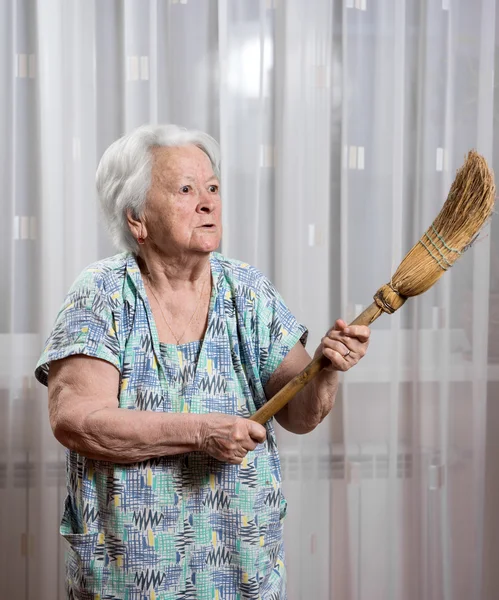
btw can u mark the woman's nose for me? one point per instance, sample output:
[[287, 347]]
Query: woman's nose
[[206, 203]]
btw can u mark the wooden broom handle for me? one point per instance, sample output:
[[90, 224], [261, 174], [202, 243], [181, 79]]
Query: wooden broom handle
[[283, 396]]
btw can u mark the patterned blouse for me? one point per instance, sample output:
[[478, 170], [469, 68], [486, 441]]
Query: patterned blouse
[[184, 526]]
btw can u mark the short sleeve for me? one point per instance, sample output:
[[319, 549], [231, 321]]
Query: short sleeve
[[85, 325], [278, 330]]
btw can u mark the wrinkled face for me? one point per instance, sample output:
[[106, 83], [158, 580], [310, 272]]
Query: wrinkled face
[[183, 209]]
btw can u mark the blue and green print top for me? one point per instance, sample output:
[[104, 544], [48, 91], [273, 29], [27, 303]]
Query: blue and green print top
[[184, 526]]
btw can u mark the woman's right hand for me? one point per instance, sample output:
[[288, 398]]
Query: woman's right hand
[[228, 438]]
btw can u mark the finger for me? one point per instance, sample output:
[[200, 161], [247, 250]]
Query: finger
[[234, 456], [249, 444], [335, 334], [226, 457], [256, 431], [241, 452], [340, 347], [360, 332], [338, 361], [340, 325]]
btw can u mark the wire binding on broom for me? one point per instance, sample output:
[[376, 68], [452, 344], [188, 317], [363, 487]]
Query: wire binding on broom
[[444, 264], [389, 299], [443, 241]]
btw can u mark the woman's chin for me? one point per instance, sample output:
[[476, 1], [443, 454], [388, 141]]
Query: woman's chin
[[206, 248], [207, 243]]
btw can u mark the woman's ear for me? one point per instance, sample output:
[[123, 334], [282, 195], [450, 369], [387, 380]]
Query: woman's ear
[[137, 227]]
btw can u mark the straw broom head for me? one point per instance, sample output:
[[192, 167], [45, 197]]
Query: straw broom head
[[468, 207]]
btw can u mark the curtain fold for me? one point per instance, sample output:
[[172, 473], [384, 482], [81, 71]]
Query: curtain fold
[[342, 124]]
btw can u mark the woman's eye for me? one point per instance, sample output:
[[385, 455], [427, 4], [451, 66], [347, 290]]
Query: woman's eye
[[185, 189], [213, 189]]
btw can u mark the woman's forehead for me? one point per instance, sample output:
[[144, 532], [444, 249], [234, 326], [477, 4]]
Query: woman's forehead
[[177, 159]]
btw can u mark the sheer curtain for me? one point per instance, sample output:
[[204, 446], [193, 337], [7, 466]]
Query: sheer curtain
[[342, 124]]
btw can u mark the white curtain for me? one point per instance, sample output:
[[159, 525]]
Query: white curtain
[[342, 124]]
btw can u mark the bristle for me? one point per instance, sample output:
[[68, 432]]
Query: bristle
[[469, 204]]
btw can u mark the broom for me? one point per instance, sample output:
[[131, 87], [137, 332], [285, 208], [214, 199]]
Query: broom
[[467, 208]]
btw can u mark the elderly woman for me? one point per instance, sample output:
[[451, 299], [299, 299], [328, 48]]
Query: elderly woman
[[158, 357]]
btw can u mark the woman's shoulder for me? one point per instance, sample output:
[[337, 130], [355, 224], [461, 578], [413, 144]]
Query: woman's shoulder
[[106, 274], [239, 273]]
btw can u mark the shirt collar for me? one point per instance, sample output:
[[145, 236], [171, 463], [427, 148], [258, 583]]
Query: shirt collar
[[133, 271]]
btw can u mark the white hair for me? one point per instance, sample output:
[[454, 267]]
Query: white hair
[[124, 173]]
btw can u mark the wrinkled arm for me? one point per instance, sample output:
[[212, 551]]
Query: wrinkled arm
[[343, 346], [85, 417], [308, 408]]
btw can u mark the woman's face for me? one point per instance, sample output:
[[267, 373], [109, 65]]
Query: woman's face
[[183, 208]]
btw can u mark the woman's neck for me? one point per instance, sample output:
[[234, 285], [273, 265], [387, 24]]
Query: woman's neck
[[175, 273]]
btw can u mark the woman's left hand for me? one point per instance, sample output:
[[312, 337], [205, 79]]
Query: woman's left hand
[[344, 345]]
